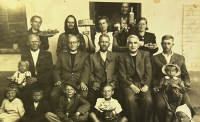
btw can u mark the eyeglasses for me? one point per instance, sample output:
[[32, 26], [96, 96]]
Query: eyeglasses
[[72, 43]]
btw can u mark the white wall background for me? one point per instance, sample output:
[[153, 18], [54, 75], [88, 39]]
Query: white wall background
[[164, 17]]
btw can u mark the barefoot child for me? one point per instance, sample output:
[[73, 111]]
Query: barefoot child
[[12, 108]]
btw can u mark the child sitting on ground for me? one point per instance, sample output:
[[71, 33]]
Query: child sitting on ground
[[172, 89], [36, 109], [20, 76], [71, 107], [12, 108], [107, 108], [183, 114]]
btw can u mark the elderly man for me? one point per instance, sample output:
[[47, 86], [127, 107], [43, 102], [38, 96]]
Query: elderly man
[[71, 66], [103, 66], [135, 73], [158, 61], [40, 66]]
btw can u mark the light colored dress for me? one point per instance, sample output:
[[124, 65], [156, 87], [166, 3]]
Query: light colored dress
[[13, 110]]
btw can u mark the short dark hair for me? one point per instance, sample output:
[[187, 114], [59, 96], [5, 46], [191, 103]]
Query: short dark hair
[[140, 19], [100, 18], [37, 90], [35, 16], [167, 37], [104, 35]]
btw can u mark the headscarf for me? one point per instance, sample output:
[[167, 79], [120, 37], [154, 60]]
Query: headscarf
[[73, 31], [184, 108]]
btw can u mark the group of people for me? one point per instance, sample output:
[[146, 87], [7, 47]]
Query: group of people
[[93, 81]]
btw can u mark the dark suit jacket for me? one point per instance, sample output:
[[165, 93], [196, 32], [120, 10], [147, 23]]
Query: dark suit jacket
[[79, 104], [37, 115], [143, 68], [148, 38], [100, 72], [44, 66], [158, 61], [78, 73]]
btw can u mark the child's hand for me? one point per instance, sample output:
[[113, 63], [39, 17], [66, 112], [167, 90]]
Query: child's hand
[[155, 89], [76, 116], [174, 85]]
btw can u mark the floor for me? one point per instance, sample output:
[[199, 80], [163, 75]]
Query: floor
[[194, 93]]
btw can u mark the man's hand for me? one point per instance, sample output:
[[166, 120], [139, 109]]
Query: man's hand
[[83, 86], [187, 84], [155, 89], [31, 80], [96, 86], [58, 83], [76, 117], [145, 88], [135, 89]]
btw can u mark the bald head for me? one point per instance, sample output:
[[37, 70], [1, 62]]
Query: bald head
[[33, 42]]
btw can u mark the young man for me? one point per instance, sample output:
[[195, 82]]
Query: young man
[[135, 74], [40, 66], [71, 106], [158, 61], [103, 66], [71, 66], [36, 109]]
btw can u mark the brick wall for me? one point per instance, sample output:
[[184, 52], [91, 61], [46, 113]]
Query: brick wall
[[191, 36]]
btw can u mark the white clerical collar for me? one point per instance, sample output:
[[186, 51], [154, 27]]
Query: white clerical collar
[[74, 52], [133, 54], [37, 51], [167, 77], [167, 55]]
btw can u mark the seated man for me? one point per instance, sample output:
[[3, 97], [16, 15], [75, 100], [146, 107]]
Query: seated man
[[135, 74], [158, 61], [71, 66], [40, 66]]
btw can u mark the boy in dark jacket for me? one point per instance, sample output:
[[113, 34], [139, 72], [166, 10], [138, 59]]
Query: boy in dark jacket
[[36, 109], [71, 107]]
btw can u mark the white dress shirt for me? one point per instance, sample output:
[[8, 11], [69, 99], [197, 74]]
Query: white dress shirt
[[35, 58], [36, 104], [103, 55], [168, 57]]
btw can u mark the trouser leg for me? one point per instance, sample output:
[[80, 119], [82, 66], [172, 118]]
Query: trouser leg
[[51, 117], [160, 107], [55, 94]]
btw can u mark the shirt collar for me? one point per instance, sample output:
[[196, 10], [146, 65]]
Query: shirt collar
[[36, 52], [133, 54], [166, 54], [73, 52], [167, 77], [104, 53]]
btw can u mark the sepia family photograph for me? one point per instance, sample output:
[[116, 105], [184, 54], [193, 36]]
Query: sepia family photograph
[[99, 60]]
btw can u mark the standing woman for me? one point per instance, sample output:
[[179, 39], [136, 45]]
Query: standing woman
[[102, 24], [71, 28], [147, 40]]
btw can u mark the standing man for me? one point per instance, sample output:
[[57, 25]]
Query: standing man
[[168, 56], [71, 66], [40, 66], [135, 74], [36, 22], [103, 66]]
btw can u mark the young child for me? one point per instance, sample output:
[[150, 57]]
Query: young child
[[71, 107], [107, 108], [172, 89], [183, 114], [36, 108], [20, 76], [12, 108]]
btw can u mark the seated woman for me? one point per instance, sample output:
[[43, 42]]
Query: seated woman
[[147, 40], [71, 28], [102, 24]]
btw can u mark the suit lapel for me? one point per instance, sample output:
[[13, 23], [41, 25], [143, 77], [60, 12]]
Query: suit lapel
[[77, 58], [31, 63], [173, 58], [129, 59], [138, 58], [99, 59], [108, 58], [162, 58]]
